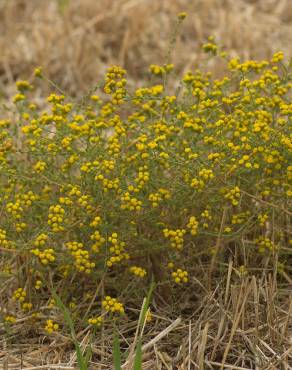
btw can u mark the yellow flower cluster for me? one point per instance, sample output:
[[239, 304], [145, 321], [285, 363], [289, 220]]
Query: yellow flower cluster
[[95, 321], [161, 70], [81, 257], [56, 99], [206, 217], [26, 306], [41, 240], [115, 84], [233, 195], [28, 198], [56, 217], [157, 197], [277, 57], [109, 182], [20, 226], [193, 225], [96, 221], [142, 178], [10, 319], [263, 218], [155, 90], [39, 166], [18, 98], [112, 305], [206, 174], [197, 183], [84, 201], [74, 191], [20, 296], [180, 276], [23, 85], [130, 203], [46, 256], [176, 237], [4, 242], [265, 244], [210, 47], [98, 241], [138, 271], [38, 284], [51, 326], [15, 209], [239, 218], [117, 250]]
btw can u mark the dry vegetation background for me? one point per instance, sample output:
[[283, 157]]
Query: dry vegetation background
[[75, 40]]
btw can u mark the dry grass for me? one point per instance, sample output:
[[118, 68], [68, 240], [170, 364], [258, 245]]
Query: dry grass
[[244, 323], [76, 40]]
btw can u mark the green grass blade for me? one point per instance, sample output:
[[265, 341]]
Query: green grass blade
[[88, 353], [82, 362], [117, 353], [138, 356], [138, 352], [65, 312], [146, 304]]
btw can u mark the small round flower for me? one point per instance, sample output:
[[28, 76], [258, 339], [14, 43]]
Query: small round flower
[[181, 16], [38, 72]]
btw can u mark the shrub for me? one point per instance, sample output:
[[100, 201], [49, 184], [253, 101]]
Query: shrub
[[102, 194]]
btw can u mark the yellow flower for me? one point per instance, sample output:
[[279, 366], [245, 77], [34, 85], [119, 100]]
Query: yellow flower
[[38, 72], [181, 16]]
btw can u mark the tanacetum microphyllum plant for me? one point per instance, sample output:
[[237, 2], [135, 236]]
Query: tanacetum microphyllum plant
[[125, 183]]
